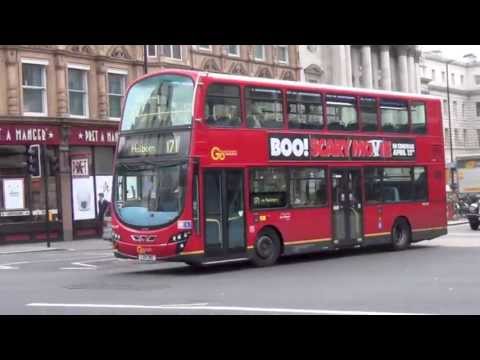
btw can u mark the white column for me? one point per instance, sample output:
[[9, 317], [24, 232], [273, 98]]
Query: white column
[[348, 63], [339, 67], [385, 66], [412, 84], [366, 67], [403, 69], [418, 76], [354, 53]]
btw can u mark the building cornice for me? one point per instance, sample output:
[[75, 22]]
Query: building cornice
[[53, 50], [59, 121], [452, 90], [441, 59], [425, 80]]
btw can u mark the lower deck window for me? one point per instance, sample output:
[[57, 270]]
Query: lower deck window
[[308, 187], [395, 184], [268, 188]]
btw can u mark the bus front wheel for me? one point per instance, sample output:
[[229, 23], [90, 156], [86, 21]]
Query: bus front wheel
[[401, 235], [267, 248]]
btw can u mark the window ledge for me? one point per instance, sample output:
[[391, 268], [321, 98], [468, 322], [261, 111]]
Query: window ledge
[[35, 114]]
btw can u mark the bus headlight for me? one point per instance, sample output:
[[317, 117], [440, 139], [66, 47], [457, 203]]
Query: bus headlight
[[181, 237]]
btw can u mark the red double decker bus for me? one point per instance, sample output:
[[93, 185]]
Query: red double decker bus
[[214, 167]]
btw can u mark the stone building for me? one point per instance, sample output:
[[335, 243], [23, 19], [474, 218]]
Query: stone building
[[68, 97], [270, 61], [387, 67], [464, 87]]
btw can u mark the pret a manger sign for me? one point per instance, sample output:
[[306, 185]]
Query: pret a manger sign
[[321, 147]]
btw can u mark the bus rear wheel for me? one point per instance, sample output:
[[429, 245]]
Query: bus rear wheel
[[401, 236], [267, 248]]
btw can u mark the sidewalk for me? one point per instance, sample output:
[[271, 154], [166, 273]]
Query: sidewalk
[[457, 222], [88, 244], [92, 244]]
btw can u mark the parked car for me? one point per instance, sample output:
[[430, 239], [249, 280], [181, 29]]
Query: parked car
[[473, 215], [107, 224]]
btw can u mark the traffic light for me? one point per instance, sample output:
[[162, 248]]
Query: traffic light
[[33, 161], [12, 157], [54, 164]]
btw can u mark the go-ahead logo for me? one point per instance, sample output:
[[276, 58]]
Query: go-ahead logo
[[218, 154]]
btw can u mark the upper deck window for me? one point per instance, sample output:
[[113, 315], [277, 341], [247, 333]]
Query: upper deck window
[[368, 111], [394, 115], [341, 112], [305, 110], [264, 108], [419, 122], [222, 107], [159, 102]]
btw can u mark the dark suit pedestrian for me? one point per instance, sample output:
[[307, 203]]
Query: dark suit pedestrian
[[102, 208]]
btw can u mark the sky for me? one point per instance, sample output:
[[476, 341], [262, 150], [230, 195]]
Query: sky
[[454, 51]]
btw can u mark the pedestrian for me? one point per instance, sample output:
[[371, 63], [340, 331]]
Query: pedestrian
[[102, 208]]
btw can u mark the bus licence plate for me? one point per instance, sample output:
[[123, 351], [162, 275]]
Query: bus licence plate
[[147, 257]]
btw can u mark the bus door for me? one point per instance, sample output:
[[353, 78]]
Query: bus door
[[224, 222], [347, 208]]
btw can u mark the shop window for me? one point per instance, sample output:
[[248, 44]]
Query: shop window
[[83, 190], [103, 172]]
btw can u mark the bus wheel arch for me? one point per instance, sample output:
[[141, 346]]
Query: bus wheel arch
[[279, 234], [268, 246], [401, 233]]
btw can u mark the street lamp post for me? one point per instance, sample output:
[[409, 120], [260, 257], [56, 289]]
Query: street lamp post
[[452, 170], [145, 63]]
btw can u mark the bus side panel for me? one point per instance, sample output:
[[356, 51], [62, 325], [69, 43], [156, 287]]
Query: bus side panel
[[309, 228], [373, 224]]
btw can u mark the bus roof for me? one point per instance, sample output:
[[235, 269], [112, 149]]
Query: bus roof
[[295, 84], [316, 86]]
